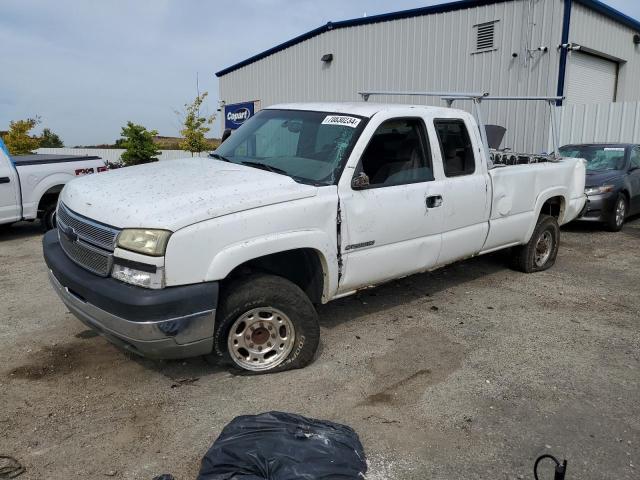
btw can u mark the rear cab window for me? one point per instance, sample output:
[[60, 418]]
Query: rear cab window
[[455, 146]]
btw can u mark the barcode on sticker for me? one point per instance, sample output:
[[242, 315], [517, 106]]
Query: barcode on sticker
[[341, 120]]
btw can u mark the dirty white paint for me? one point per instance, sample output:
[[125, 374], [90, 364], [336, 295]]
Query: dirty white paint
[[409, 238], [173, 195], [224, 214]]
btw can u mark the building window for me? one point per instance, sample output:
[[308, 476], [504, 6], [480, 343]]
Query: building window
[[485, 36]]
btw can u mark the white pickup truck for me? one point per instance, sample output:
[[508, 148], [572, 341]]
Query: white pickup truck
[[305, 203], [30, 184]]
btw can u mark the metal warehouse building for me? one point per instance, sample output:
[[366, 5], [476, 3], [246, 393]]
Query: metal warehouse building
[[581, 49]]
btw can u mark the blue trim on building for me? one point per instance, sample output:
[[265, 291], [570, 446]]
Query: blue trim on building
[[562, 71], [416, 12]]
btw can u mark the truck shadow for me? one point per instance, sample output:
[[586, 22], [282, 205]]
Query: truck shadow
[[186, 373], [578, 226], [20, 230], [409, 289]]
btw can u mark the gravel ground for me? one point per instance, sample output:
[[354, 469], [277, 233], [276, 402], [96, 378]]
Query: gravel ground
[[468, 372]]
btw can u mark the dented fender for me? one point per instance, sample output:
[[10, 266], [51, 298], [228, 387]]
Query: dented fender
[[210, 250], [235, 255]]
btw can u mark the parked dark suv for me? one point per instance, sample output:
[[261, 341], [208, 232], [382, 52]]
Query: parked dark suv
[[613, 181]]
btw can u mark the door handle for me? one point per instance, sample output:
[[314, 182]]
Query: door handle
[[434, 201], [4, 180]]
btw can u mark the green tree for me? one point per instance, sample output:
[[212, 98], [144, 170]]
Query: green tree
[[50, 139], [139, 145], [18, 140], [195, 127]]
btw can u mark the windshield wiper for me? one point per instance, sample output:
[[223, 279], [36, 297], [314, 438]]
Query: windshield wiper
[[217, 156], [264, 166]]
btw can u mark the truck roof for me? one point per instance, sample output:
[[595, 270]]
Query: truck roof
[[363, 109]]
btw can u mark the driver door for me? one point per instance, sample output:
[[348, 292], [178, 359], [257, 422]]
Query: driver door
[[392, 217], [9, 201]]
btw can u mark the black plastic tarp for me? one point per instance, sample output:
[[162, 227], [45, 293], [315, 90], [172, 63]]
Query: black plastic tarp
[[284, 446]]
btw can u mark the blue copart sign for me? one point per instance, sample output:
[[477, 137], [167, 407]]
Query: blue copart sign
[[238, 113]]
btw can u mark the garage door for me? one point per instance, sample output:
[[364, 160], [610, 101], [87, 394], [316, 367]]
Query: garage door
[[591, 79]]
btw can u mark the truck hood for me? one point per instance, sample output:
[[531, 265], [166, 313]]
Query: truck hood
[[175, 193]]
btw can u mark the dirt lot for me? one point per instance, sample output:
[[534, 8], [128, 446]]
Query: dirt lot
[[468, 372]]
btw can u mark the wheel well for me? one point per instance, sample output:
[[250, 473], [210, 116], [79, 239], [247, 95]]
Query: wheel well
[[302, 267], [49, 198], [626, 196], [554, 206]]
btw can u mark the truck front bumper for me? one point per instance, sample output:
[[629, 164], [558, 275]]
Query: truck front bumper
[[174, 322]]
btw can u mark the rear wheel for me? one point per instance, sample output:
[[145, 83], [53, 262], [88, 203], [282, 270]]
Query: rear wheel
[[542, 249], [617, 217], [266, 323]]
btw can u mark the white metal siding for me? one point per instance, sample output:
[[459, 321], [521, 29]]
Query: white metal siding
[[602, 34], [591, 79], [431, 52], [609, 122]]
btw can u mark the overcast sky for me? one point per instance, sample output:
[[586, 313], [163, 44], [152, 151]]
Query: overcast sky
[[88, 66]]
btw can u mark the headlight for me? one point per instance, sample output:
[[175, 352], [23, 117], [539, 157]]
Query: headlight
[[139, 274], [599, 190], [149, 242]]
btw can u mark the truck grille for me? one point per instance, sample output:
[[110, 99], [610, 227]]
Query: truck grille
[[92, 232], [87, 243]]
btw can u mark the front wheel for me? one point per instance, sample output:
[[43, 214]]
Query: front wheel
[[265, 323], [542, 249], [617, 217], [48, 219]]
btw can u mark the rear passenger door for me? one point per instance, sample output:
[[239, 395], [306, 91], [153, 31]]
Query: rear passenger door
[[391, 221], [466, 198]]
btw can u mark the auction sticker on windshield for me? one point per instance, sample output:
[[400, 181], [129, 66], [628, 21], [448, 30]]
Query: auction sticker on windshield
[[614, 149], [341, 120]]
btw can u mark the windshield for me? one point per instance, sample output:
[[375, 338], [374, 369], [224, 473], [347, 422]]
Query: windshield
[[310, 147], [598, 157]]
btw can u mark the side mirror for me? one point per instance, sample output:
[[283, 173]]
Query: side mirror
[[360, 181]]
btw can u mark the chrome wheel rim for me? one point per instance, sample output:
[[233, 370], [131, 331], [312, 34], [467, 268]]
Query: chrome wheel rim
[[261, 339], [620, 212], [543, 249]]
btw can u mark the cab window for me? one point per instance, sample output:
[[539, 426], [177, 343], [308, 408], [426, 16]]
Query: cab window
[[398, 153], [456, 147]]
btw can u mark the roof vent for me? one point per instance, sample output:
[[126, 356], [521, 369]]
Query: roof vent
[[485, 36]]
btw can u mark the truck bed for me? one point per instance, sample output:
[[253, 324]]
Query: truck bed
[[24, 160], [518, 187]]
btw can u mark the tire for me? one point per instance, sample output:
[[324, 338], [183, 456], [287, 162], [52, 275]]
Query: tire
[[617, 217], [542, 249], [48, 219], [265, 324]]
